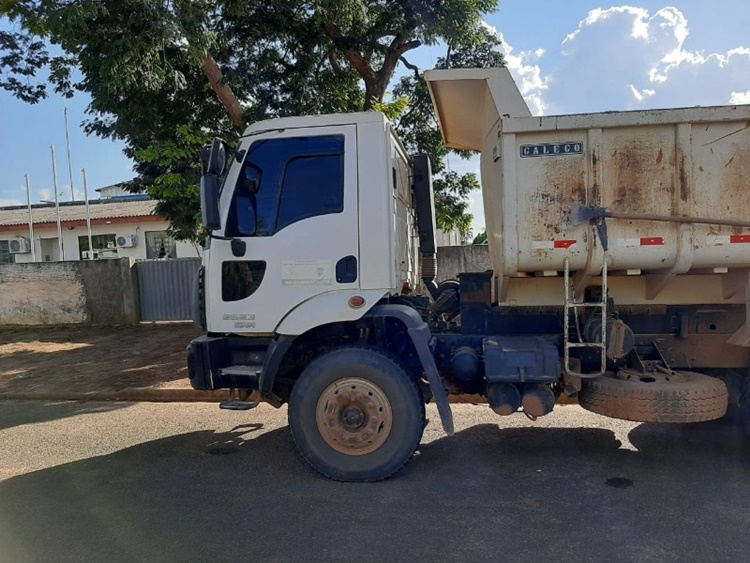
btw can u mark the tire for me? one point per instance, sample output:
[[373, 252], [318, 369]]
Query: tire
[[745, 405], [335, 421], [681, 397]]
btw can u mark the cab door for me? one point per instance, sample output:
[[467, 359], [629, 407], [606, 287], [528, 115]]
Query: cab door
[[290, 228]]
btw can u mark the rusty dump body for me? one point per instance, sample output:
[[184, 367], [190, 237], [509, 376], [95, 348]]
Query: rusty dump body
[[690, 162]]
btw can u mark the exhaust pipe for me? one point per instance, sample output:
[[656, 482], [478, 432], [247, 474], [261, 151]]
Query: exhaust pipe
[[425, 208]]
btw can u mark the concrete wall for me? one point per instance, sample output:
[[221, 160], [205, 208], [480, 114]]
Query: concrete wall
[[453, 260], [98, 292], [71, 234]]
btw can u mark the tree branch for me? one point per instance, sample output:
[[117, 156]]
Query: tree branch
[[334, 62], [408, 46], [224, 92], [360, 64], [411, 67]]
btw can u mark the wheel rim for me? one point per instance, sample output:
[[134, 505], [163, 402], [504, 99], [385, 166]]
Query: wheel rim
[[354, 416]]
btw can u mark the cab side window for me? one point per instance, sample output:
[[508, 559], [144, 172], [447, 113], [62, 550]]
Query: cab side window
[[284, 181]]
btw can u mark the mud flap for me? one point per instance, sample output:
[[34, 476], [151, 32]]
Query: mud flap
[[420, 335]]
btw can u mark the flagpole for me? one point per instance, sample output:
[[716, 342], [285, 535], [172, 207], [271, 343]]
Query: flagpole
[[57, 203], [88, 214], [31, 220], [70, 163]]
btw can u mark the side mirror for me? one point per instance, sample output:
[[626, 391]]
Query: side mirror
[[213, 163], [217, 158], [210, 216]]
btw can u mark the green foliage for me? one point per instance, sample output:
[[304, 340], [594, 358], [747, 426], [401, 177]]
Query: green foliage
[[175, 179], [481, 238], [147, 66], [419, 130], [451, 199], [394, 109]]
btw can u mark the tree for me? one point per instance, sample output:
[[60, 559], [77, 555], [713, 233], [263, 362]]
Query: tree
[[165, 74], [418, 128]]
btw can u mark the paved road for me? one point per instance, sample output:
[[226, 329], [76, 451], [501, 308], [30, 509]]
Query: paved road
[[178, 482]]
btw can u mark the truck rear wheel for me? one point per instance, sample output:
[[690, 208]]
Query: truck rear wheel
[[678, 397], [356, 415]]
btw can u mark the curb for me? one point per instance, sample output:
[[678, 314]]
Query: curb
[[130, 395]]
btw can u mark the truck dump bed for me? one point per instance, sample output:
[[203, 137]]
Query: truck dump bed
[[678, 162]]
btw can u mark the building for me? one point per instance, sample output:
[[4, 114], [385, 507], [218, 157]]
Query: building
[[121, 226]]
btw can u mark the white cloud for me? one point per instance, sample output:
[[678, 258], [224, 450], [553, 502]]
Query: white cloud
[[528, 76], [641, 95], [8, 202], [526, 72], [626, 58], [65, 193], [740, 98], [623, 58], [48, 194]]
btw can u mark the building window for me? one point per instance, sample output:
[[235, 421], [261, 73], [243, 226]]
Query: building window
[[5, 256], [160, 245], [104, 246]]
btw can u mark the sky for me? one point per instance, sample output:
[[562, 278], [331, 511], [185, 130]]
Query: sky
[[568, 56]]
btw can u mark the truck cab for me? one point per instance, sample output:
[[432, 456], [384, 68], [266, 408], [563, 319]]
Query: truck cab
[[306, 225]]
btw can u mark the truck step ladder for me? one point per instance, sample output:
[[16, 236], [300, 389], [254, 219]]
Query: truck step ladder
[[572, 305], [243, 393], [241, 400]]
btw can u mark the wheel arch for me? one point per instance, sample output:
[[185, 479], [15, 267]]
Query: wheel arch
[[280, 358]]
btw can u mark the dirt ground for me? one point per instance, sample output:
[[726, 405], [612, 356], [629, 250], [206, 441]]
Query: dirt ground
[[87, 359]]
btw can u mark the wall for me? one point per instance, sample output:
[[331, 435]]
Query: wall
[[453, 260], [71, 234], [98, 292], [451, 238]]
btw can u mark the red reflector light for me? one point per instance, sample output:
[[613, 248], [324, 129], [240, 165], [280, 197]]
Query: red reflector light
[[356, 301]]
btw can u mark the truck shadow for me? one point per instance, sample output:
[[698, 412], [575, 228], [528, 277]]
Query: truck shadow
[[486, 494], [20, 413]]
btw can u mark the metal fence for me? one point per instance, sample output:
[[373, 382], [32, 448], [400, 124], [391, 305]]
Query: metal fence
[[164, 288]]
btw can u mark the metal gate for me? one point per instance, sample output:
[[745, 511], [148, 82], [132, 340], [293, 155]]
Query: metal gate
[[165, 287]]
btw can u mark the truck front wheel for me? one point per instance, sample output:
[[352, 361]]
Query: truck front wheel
[[356, 415]]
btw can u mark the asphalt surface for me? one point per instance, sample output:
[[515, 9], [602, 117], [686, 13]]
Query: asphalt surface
[[188, 482]]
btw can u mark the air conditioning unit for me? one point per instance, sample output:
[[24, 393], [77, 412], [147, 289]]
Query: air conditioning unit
[[90, 254], [20, 245], [126, 241]]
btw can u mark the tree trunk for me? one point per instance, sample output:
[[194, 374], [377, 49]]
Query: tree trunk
[[374, 92], [224, 92], [376, 85], [375, 82]]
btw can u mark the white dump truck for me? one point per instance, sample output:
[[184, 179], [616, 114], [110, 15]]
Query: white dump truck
[[620, 245]]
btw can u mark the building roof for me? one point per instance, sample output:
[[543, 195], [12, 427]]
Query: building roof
[[101, 209]]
